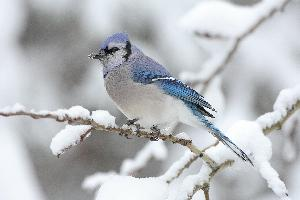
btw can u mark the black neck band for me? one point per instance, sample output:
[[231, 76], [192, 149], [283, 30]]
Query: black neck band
[[128, 50]]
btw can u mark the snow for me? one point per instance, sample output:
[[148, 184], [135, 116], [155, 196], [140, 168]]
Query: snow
[[93, 181], [287, 98], [177, 166], [13, 109], [103, 117], [284, 102], [218, 18], [155, 149], [74, 112], [274, 182], [222, 19], [78, 112], [289, 149], [190, 181], [248, 135], [183, 136], [18, 177], [69, 136], [126, 187]]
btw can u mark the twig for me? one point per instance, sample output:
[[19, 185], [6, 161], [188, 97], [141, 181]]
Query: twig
[[187, 163], [279, 124], [235, 44], [179, 166], [205, 189], [212, 145], [186, 166], [228, 56], [205, 186]]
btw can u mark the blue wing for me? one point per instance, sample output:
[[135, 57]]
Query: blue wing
[[145, 70], [196, 103], [189, 96]]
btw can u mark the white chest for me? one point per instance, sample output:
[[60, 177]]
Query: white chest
[[144, 102]]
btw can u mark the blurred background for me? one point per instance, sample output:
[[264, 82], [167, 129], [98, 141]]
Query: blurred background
[[44, 65]]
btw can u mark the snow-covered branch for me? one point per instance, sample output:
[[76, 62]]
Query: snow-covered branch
[[102, 121], [240, 23], [179, 166], [249, 135], [202, 180], [287, 103]]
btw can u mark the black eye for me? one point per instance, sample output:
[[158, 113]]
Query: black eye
[[113, 49]]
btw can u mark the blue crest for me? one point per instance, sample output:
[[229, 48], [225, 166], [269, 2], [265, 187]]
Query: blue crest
[[117, 38]]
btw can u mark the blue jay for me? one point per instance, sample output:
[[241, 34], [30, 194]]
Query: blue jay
[[145, 91]]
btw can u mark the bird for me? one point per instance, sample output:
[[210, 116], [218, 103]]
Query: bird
[[145, 91]]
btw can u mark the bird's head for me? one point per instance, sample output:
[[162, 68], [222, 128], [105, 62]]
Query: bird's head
[[115, 50]]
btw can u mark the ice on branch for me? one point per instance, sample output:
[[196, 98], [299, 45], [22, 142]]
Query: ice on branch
[[104, 117], [127, 187], [68, 137], [287, 102], [155, 150], [221, 19], [13, 109], [94, 181]]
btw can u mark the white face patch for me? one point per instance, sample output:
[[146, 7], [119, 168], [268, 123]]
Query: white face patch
[[114, 55]]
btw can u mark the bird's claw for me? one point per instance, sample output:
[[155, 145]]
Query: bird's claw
[[156, 132], [131, 121]]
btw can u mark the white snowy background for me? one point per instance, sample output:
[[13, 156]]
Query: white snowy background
[[44, 65]]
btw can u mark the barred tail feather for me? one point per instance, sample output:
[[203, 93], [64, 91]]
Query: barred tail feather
[[226, 141]]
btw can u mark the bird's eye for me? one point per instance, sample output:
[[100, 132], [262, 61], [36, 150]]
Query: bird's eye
[[113, 49]]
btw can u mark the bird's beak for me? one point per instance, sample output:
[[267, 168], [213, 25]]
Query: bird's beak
[[98, 56]]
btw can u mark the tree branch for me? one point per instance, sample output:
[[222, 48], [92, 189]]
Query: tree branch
[[292, 93], [278, 125], [125, 131], [220, 66], [287, 103], [205, 185], [228, 55]]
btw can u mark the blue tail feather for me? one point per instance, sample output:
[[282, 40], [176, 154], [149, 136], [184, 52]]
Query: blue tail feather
[[218, 134], [225, 140]]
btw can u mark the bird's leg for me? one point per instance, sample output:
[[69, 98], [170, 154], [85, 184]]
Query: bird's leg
[[156, 132]]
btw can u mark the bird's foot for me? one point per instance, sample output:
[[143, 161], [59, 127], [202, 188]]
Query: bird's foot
[[131, 121], [155, 132]]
